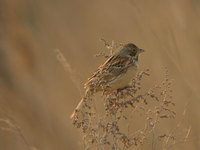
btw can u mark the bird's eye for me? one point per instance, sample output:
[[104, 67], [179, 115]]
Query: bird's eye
[[132, 52]]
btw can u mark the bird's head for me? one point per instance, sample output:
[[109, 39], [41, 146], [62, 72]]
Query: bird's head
[[130, 50]]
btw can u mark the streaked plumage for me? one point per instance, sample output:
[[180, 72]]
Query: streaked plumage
[[115, 73]]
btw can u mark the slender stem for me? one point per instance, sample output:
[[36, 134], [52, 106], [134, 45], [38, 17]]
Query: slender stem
[[115, 129]]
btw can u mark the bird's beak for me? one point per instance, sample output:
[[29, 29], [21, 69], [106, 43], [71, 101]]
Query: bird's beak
[[141, 50]]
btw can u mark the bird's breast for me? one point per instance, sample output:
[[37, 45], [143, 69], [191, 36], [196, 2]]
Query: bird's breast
[[124, 79]]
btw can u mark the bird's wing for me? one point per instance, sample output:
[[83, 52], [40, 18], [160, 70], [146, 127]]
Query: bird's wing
[[115, 68], [108, 72], [100, 68]]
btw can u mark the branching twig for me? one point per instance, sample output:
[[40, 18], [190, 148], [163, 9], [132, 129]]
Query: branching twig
[[106, 132]]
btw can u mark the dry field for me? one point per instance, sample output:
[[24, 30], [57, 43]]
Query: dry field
[[37, 94]]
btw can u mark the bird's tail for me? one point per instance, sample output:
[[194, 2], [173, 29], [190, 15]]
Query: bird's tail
[[84, 103], [78, 108]]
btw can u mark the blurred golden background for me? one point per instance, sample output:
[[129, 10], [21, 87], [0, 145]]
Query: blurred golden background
[[37, 95]]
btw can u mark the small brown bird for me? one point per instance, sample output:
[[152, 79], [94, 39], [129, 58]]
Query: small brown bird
[[116, 73]]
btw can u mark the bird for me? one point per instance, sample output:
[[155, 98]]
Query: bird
[[115, 73]]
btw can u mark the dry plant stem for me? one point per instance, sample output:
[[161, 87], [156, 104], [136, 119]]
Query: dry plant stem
[[115, 129], [171, 136], [99, 132], [13, 127], [68, 68], [187, 134], [110, 46], [104, 131]]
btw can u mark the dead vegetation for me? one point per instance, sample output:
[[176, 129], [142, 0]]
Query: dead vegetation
[[105, 129]]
